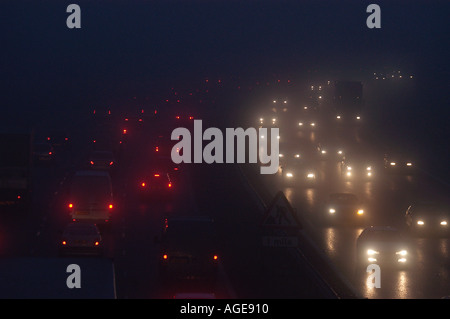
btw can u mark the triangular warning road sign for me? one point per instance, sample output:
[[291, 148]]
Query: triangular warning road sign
[[280, 214]]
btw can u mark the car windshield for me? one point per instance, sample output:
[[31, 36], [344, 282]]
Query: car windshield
[[432, 209], [82, 230], [343, 198], [190, 233]]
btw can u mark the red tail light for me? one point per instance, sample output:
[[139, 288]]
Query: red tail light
[[92, 162], [110, 206], [63, 242], [156, 175], [48, 138], [156, 149], [169, 185], [215, 257], [165, 257], [111, 163], [70, 205], [191, 117], [49, 153], [177, 117], [143, 184], [124, 131], [96, 243]]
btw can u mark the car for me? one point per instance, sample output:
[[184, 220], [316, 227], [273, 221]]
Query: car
[[188, 249], [399, 164], [80, 238], [299, 172], [91, 197], [384, 245], [330, 152], [43, 152], [343, 208], [357, 169], [307, 124], [428, 218], [58, 139], [156, 185], [103, 160]]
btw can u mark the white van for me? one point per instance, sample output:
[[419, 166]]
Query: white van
[[91, 197]]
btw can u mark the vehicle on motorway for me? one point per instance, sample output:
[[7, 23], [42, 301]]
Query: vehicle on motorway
[[188, 249], [428, 218], [156, 184], [343, 209], [298, 172], [347, 101], [15, 169], [383, 245], [357, 168], [307, 123], [91, 197], [80, 238], [102, 160], [334, 153], [399, 164], [58, 139], [43, 153]]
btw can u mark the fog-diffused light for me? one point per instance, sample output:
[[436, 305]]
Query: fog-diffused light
[[408, 164], [372, 252], [444, 223], [310, 175], [402, 260], [420, 222], [332, 211], [289, 175], [402, 252], [392, 163], [349, 173], [360, 212]]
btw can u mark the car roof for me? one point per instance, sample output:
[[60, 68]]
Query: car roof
[[92, 173]]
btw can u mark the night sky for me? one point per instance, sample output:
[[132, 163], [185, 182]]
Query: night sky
[[129, 48]]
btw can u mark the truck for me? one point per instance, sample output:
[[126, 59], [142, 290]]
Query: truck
[[15, 169], [348, 100]]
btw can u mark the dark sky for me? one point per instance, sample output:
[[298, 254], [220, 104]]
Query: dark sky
[[131, 47]]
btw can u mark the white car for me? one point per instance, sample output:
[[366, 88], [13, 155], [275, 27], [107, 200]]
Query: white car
[[383, 245]]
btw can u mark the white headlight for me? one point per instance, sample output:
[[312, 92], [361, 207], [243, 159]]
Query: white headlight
[[289, 175], [310, 175], [392, 163], [444, 223], [332, 211], [420, 222], [360, 212], [402, 252], [372, 252]]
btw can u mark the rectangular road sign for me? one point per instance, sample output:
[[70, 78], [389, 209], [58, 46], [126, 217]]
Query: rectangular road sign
[[280, 241]]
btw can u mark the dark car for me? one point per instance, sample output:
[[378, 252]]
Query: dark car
[[43, 152], [104, 160], [189, 249], [80, 238], [399, 164], [343, 208], [357, 169], [383, 245], [156, 185], [428, 218]]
